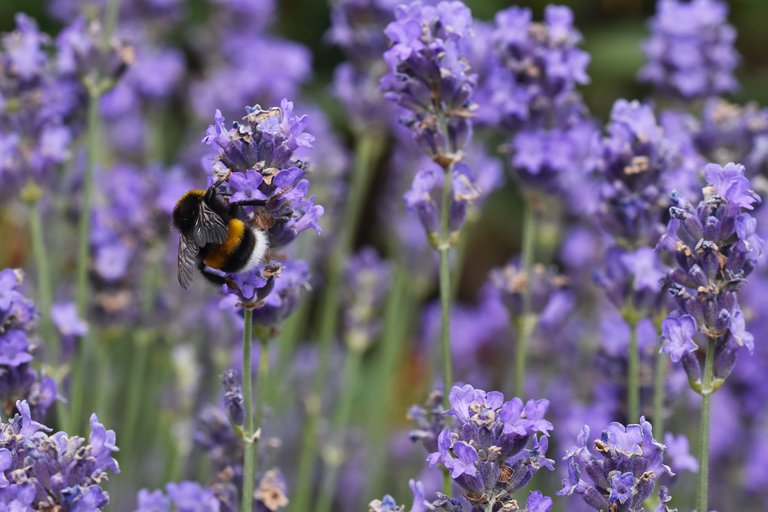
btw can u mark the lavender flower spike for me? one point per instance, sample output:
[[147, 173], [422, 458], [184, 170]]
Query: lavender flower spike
[[716, 247], [691, 51], [623, 466], [495, 446], [429, 76]]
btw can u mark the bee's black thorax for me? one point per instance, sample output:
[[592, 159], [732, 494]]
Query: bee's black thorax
[[186, 211]]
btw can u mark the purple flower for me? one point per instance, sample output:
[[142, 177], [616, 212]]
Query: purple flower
[[691, 51], [634, 167], [623, 466], [715, 248], [233, 396], [429, 76], [679, 453], [18, 346], [57, 470], [258, 170], [677, 335], [494, 448]]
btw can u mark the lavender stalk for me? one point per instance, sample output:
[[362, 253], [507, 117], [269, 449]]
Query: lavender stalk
[[249, 457]]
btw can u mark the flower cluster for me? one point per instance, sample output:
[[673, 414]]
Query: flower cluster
[[54, 472], [358, 28], [18, 381], [219, 497], [529, 88], [550, 296], [494, 448], [536, 502], [691, 51], [716, 247], [624, 465], [429, 76], [37, 103], [256, 160], [632, 163], [732, 133], [539, 67]]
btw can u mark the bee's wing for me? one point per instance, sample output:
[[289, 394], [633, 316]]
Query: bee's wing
[[209, 228], [186, 261]]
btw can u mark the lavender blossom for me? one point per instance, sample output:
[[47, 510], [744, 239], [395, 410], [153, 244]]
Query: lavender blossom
[[623, 466], [54, 471], [357, 26], [255, 159], [633, 162], [37, 106], [429, 76], [18, 346], [494, 448], [732, 133], [691, 52], [540, 66], [716, 247]]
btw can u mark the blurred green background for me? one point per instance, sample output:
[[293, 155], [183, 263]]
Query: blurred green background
[[613, 31]]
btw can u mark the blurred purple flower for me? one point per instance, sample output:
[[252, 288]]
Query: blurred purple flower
[[691, 51]]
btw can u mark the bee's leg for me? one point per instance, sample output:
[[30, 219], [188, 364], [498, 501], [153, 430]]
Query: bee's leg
[[217, 279], [250, 202], [211, 276]]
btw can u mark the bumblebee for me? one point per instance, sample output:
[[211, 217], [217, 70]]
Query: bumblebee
[[215, 234]]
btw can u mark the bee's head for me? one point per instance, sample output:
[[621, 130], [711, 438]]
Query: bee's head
[[186, 210]]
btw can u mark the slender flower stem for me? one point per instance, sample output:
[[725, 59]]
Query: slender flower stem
[[706, 398], [263, 382], [527, 321], [659, 390], [633, 383], [445, 287], [335, 452], [367, 152], [84, 356], [44, 284], [110, 20], [92, 134], [249, 460], [397, 319]]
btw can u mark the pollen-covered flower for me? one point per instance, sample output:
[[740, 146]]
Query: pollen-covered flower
[[715, 247], [691, 51], [495, 446], [539, 67], [258, 171], [429, 75], [633, 163], [623, 466], [56, 471]]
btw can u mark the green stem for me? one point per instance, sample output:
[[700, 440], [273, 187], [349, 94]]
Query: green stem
[[392, 338], [446, 294], [40, 254], [263, 382], [659, 390], [367, 152], [526, 322], [706, 397], [633, 384], [110, 20], [249, 459], [335, 452], [445, 287], [92, 134], [84, 356]]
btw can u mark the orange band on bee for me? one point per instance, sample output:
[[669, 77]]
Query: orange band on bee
[[217, 255]]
